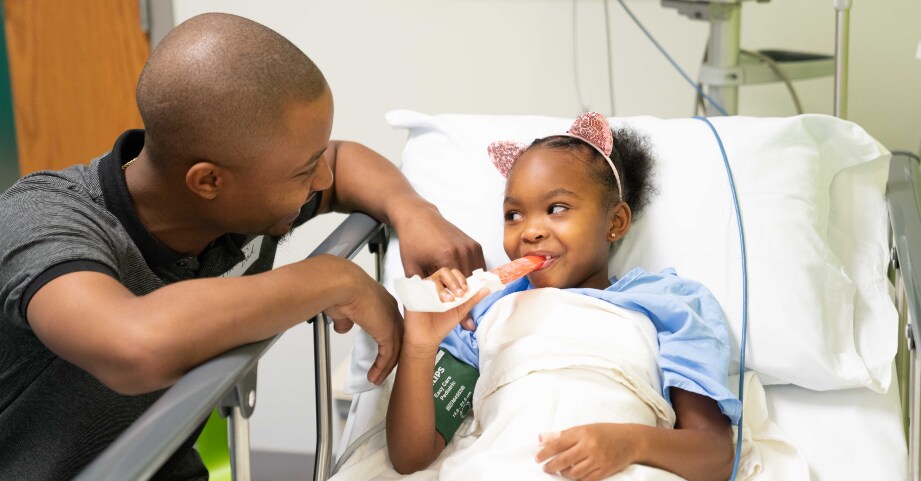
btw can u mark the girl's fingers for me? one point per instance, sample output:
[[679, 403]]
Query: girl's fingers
[[553, 444], [579, 470], [563, 461], [468, 324], [461, 281]]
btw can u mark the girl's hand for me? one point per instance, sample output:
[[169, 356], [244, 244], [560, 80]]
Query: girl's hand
[[424, 331], [589, 452], [450, 283]]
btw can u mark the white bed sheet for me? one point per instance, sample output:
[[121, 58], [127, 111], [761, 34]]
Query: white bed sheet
[[846, 435]]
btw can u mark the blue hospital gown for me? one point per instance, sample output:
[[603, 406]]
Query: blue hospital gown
[[692, 334]]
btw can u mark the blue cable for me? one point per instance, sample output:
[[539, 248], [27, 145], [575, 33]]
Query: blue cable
[[735, 201], [738, 211], [668, 57]]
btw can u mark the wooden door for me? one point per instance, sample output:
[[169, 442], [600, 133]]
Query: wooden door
[[74, 66]]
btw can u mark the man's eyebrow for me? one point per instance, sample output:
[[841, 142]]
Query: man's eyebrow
[[315, 157]]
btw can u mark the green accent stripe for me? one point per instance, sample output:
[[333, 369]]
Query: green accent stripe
[[9, 159]]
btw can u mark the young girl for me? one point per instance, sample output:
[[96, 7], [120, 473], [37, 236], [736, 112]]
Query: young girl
[[574, 379]]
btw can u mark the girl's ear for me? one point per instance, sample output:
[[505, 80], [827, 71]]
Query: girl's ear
[[620, 220]]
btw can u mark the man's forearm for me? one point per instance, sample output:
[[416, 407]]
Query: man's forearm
[[368, 182], [137, 344]]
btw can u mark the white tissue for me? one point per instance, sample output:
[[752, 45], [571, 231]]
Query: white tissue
[[420, 295]]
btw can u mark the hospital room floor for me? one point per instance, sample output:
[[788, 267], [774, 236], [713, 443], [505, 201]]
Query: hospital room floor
[[277, 466]]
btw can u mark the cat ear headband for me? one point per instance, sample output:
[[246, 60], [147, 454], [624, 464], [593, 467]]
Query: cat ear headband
[[591, 128]]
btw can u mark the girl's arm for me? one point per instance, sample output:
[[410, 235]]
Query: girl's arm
[[699, 448], [412, 441]]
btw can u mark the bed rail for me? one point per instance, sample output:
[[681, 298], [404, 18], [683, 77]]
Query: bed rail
[[228, 381], [903, 195]]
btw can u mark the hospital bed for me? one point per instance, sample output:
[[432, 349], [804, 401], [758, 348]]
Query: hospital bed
[[848, 427]]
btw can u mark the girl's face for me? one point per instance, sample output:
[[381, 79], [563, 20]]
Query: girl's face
[[552, 208]]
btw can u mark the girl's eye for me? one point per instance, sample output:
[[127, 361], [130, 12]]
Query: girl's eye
[[512, 216], [557, 209]]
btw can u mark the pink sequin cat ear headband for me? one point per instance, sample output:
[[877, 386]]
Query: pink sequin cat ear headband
[[591, 128]]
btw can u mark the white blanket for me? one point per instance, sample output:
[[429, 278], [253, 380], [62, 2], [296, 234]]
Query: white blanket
[[551, 360]]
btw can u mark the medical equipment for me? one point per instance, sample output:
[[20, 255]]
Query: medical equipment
[[727, 66]]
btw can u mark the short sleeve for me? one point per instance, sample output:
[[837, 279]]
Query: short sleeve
[[692, 333], [49, 228]]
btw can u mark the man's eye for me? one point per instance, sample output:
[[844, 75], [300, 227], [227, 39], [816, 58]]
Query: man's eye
[[557, 209], [512, 216]]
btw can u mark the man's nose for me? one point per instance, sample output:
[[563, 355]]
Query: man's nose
[[324, 178]]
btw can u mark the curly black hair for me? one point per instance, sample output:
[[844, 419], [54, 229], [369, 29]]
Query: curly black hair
[[632, 155]]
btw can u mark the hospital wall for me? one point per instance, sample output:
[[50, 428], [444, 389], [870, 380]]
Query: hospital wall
[[516, 57]]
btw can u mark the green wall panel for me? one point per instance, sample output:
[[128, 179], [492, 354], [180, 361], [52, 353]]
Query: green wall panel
[[9, 160]]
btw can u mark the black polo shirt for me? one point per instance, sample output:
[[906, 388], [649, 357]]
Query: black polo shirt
[[55, 418]]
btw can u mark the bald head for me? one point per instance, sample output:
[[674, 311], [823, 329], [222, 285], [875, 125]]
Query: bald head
[[217, 87]]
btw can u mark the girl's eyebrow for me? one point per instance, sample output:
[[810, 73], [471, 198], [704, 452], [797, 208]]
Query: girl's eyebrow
[[546, 195], [561, 191]]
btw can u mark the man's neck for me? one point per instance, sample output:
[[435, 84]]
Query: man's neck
[[163, 207]]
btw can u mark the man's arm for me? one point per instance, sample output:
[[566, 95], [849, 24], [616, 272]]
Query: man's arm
[[368, 182], [137, 344]]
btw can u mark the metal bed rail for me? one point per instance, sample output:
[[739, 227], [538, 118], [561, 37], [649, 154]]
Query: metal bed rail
[[229, 382], [903, 195]]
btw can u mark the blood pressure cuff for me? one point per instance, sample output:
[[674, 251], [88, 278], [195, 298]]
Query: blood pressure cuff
[[452, 388]]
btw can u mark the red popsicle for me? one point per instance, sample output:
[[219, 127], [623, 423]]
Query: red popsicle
[[517, 268]]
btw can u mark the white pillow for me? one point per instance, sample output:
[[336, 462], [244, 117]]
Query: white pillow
[[811, 190]]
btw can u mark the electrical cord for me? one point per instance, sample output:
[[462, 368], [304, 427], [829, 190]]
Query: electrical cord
[[668, 57], [780, 73], [607, 36], [575, 59], [738, 212]]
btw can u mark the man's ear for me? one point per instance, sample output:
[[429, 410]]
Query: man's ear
[[205, 179], [621, 218]]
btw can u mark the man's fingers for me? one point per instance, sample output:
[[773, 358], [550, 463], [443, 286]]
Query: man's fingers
[[384, 363], [477, 261], [342, 325]]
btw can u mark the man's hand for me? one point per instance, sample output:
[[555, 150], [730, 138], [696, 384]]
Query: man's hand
[[589, 452], [428, 242], [374, 309]]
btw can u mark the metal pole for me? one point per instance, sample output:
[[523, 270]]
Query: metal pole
[[723, 52], [842, 36], [238, 430], [321, 470]]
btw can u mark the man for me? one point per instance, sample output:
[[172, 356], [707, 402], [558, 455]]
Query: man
[[118, 277]]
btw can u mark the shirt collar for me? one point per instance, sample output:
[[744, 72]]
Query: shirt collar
[[118, 200]]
